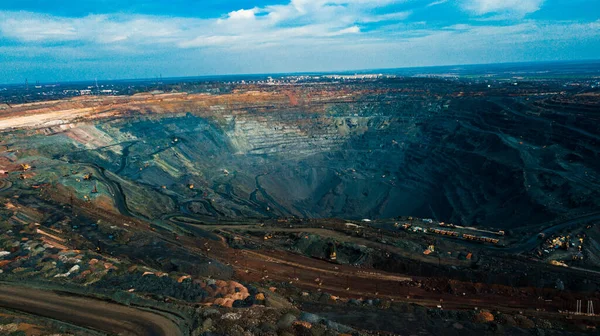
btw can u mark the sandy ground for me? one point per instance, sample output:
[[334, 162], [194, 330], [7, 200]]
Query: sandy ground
[[43, 119], [61, 112]]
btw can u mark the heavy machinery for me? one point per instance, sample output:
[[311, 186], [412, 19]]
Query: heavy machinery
[[332, 252]]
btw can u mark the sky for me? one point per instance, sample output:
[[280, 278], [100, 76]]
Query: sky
[[61, 40]]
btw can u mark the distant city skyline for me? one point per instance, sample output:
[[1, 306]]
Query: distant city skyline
[[57, 40]]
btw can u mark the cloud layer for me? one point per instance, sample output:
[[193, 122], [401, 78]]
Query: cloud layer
[[520, 7], [298, 35], [272, 24]]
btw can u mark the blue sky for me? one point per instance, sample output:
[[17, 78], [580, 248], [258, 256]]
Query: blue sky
[[58, 40]]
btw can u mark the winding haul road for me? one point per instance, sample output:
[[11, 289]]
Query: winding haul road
[[87, 312]]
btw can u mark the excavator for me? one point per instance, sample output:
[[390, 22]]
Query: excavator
[[332, 252]]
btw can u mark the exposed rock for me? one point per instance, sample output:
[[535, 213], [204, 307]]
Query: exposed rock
[[303, 324], [286, 321], [9, 328], [338, 327], [231, 316], [210, 312], [207, 324], [310, 318], [524, 322], [484, 317]]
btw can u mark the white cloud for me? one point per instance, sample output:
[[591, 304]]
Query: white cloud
[[396, 16], [101, 29], [243, 14], [299, 19], [349, 30], [518, 7], [303, 35], [435, 3]]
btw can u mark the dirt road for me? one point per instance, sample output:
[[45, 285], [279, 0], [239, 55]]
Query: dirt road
[[86, 312], [330, 233]]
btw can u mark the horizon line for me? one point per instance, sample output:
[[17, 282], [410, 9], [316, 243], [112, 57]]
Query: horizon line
[[383, 70]]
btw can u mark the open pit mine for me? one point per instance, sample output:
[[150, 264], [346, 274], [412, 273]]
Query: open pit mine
[[387, 206]]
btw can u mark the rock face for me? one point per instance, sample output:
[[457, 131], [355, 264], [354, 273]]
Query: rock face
[[471, 160]]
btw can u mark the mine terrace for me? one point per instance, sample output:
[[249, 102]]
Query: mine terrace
[[282, 204]]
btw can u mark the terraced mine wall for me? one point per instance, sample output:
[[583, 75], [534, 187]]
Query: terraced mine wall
[[467, 158]]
